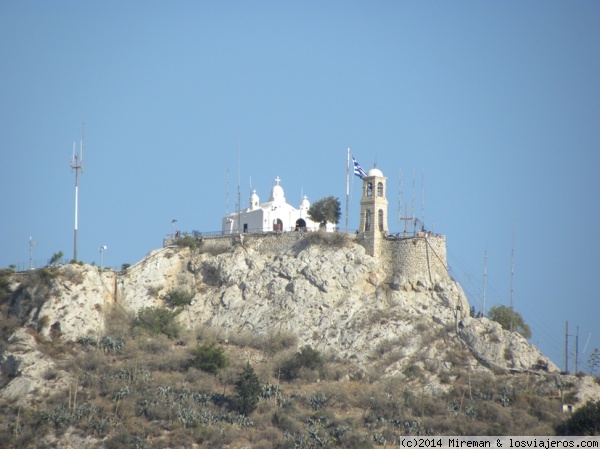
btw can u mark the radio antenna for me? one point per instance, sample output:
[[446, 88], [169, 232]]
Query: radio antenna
[[406, 218], [227, 190], [239, 195], [31, 246], [77, 165], [423, 199]]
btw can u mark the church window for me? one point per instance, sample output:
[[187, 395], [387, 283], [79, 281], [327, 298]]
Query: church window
[[368, 220], [380, 189], [380, 219]]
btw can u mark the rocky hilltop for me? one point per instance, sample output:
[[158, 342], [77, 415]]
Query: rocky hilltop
[[372, 313]]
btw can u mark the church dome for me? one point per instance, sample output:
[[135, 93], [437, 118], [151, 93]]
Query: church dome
[[375, 172], [277, 194]]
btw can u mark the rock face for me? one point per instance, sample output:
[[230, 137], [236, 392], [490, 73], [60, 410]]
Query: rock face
[[326, 290]]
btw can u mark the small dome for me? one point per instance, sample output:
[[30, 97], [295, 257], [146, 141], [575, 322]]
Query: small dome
[[375, 172], [305, 204], [277, 194], [254, 200]]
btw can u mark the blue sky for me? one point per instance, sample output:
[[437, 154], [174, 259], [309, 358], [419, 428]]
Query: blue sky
[[494, 105]]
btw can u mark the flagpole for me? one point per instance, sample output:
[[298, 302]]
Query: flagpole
[[347, 186]]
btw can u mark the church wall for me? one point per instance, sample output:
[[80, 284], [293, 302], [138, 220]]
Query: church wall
[[254, 219]]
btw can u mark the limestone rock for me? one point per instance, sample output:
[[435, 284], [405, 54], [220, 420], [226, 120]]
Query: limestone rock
[[333, 296]]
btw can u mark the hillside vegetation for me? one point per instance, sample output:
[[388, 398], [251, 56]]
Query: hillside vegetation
[[244, 346]]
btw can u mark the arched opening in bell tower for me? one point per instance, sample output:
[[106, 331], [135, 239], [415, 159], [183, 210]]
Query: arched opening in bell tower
[[368, 220]]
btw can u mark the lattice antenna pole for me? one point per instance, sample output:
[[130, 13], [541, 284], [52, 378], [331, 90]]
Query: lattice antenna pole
[[77, 166], [484, 281], [404, 218], [423, 199], [31, 246], [512, 275], [399, 196], [412, 204], [227, 191], [239, 193]]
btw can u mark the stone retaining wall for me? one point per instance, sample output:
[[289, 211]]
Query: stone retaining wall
[[416, 257], [420, 257]]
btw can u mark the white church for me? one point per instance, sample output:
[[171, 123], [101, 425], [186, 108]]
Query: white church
[[274, 215]]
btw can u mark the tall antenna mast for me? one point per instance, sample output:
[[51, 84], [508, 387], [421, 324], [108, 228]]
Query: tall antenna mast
[[77, 165], [484, 281], [512, 275], [567, 347], [423, 199], [577, 351], [31, 245], [227, 191], [239, 195], [347, 185], [412, 203], [406, 218], [399, 195]]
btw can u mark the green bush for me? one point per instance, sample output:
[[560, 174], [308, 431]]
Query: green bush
[[509, 320], [55, 259], [187, 242], [156, 320], [585, 421], [208, 357], [308, 358], [325, 210], [178, 297], [248, 389]]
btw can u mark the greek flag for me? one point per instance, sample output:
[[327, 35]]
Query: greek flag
[[358, 170]]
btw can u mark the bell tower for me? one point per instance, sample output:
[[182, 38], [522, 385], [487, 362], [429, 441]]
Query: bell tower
[[373, 211]]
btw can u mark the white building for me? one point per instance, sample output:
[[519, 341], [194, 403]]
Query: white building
[[273, 215]]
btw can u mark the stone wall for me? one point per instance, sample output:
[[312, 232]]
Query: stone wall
[[420, 257], [416, 257]]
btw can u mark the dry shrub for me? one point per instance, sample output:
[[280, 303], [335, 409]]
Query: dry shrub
[[117, 322], [210, 334], [336, 370], [150, 345], [333, 239], [287, 420], [8, 326]]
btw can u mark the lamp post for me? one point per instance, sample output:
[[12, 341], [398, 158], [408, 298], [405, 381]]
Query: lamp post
[[102, 249], [173, 221]]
